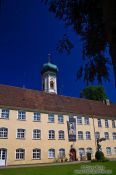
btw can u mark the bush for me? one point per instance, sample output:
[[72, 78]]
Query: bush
[[99, 155]]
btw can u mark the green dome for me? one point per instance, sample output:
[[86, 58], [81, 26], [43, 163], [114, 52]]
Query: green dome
[[49, 67]]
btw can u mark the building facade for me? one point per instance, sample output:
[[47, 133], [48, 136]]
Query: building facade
[[41, 126]]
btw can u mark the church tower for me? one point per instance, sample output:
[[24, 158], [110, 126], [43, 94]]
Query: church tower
[[49, 79]]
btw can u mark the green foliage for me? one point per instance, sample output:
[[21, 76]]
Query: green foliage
[[94, 93], [99, 155]]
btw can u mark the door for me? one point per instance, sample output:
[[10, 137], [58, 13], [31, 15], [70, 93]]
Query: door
[[3, 155]]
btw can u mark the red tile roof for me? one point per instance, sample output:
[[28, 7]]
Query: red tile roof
[[20, 98]]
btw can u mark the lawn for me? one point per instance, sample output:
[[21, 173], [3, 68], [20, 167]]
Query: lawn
[[70, 169]]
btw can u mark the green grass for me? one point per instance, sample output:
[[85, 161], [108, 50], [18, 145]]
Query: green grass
[[57, 169]]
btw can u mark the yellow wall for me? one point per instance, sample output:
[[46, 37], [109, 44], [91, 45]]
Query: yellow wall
[[12, 143]]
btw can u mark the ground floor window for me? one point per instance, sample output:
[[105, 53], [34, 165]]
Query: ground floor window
[[81, 151], [51, 153], [36, 153], [61, 152], [108, 151], [20, 154]]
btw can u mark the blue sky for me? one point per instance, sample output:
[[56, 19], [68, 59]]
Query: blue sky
[[28, 32]]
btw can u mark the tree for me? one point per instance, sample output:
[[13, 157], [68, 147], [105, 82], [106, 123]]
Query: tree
[[95, 22], [94, 93]]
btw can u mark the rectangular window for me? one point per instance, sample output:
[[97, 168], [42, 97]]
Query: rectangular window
[[21, 115], [113, 124], [4, 114], [51, 118], [106, 123], [20, 154], [36, 154], [3, 133], [36, 117], [20, 133], [60, 119], [86, 120], [79, 120], [108, 151], [36, 134], [106, 135], [114, 135], [99, 123]]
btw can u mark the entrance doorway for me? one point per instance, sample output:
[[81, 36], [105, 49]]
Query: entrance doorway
[[72, 154], [3, 156]]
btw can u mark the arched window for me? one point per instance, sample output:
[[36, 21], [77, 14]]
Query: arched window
[[89, 150], [97, 135], [114, 135], [81, 151], [80, 135], [51, 84], [51, 153], [3, 132], [61, 135], [61, 152], [20, 154], [108, 151], [51, 134], [36, 134], [106, 135], [36, 153], [88, 135]]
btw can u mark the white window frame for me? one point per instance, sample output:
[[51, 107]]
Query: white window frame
[[51, 135], [99, 122], [86, 120], [21, 115], [20, 154], [3, 133], [114, 135], [108, 151], [51, 153], [36, 154], [61, 152], [21, 134], [81, 151], [60, 119], [50, 118], [80, 135], [106, 123], [4, 113], [61, 135], [79, 120], [106, 135], [37, 134], [36, 117], [88, 135], [115, 150], [113, 124], [97, 134]]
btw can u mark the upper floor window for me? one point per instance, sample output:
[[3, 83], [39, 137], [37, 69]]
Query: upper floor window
[[106, 135], [88, 135], [80, 135], [79, 120], [20, 133], [60, 119], [36, 153], [61, 135], [21, 115], [36, 134], [86, 120], [51, 134], [106, 123], [51, 153], [113, 124], [99, 123], [114, 135], [4, 114], [51, 118], [97, 135], [3, 133], [108, 151], [36, 116], [20, 154]]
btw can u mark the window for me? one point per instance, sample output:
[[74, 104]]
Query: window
[[61, 135], [36, 153], [3, 133], [51, 84], [86, 120], [51, 153], [88, 135], [106, 123], [80, 135], [81, 151], [36, 116], [113, 124], [97, 135], [20, 133], [114, 150], [89, 150], [4, 114], [21, 115], [108, 151], [51, 134], [51, 118], [99, 123], [60, 119], [36, 134], [20, 154], [114, 135], [79, 120], [106, 135], [61, 152]]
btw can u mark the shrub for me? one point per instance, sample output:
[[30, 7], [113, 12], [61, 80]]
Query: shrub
[[99, 155]]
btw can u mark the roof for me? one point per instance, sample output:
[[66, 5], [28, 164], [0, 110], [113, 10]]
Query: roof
[[20, 98], [49, 67]]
